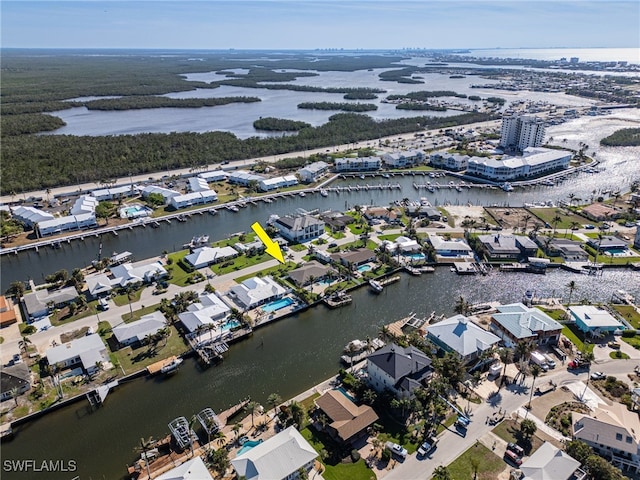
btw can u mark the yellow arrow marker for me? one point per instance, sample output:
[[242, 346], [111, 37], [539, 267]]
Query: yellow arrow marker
[[273, 248]]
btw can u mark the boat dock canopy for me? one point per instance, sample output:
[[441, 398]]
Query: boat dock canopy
[[209, 421], [182, 432]]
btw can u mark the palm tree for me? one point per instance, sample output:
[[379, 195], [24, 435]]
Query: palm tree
[[441, 473], [24, 343], [526, 219], [535, 371], [557, 219], [462, 306], [506, 356], [572, 197], [351, 351], [571, 286], [252, 406], [274, 400], [144, 446]]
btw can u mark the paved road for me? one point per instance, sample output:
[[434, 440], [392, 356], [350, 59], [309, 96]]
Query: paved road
[[452, 445]]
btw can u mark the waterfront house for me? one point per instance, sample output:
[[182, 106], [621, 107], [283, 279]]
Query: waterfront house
[[244, 178], [7, 312], [449, 161], [84, 204], [381, 213], [38, 304], [145, 271], [613, 432], [14, 379], [399, 369], [207, 311], [312, 270], [30, 216], [358, 164], [88, 352], [256, 246], [269, 184], [403, 159], [423, 211], [167, 194], [599, 212], [337, 221], [98, 285], [280, 457], [70, 222], [459, 335], [200, 197], [354, 258], [549, 462], [205, 256], [312, 172], [214, 176], [194, 469], [256, 291], [508, 247], [608, 244], [299, 228], [450, 250], [569, 250], [348, 420], [594, 320], [516, 321], [136, 332]]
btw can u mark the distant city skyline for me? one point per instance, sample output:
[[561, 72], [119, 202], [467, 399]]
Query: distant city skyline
[[328, 24]]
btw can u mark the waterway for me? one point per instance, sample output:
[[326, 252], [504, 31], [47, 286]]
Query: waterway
[[286, 358], [619, 164]]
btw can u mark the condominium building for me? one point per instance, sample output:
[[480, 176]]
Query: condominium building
[[519, 132]]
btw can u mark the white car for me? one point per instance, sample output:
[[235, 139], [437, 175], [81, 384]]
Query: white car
[[396, 449], [425, 448], [597, 375]]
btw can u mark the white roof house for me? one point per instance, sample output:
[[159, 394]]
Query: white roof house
[[144, 271], [36, 303], [206, 312], [87, 350], [256, 291], [460, 335], [98, 284], [516, 321], [198, 184], [214, 176], [551, 463], [312, 171], [128, 333], [534, 161], [357, 164], [194, 469], [242, 177], [113, 192], [30, 215], [406, 244], [203, 256], [166, 193], [274, 183], [84, 204], [450, 248], [590, 318], [193, 198], [70, 222], [278, 458]]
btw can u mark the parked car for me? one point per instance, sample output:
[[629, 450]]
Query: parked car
[[426, 447], [589, 226], [16, 359], [614, 345], [332, 245], [104, 304], [515, 448], [597, 375], [512, 458], [396, 449]]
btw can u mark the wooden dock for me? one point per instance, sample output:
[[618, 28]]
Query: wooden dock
[[337, 300], [155, 368]]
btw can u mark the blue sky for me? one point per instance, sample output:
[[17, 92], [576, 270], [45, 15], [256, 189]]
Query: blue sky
[[308, 24]]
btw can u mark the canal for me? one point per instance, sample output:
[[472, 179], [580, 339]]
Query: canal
[[286, 357]]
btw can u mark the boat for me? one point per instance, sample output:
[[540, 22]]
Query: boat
[[198, 241], [413, 270], [182, 218], [506, 186], [171, 367], [458, 188], [233, 208], [324, 193], [385, 175], [361, 176], [358, 350], [302, 194], [376, 286]]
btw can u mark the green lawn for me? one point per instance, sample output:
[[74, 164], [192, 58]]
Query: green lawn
[[555, 313], [133, 360], [450, 420], [391, 237], [507, 430], [279, 270], [548, 214], [633, 341], [629, 314], [489, 464], [137, 314], [297, 247], [577, 337], [395, 432], [122, 300], [618, 355]]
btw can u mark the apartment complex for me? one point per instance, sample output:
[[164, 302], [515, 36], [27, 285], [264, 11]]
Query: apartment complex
[[519, 132]]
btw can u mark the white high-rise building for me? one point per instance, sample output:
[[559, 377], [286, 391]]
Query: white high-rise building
[[520, 132]]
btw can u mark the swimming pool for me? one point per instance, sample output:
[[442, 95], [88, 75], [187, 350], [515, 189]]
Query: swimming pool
[[277, 305], [133, 211], [229, 325], [364, 268], [416, 256], [343, 391], [248, 445]]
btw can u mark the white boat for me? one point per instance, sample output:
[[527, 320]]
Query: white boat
[[385, 175], [302, 194], [324, 193], [506, 186], [361, 177], [171, 367], [376, 286]]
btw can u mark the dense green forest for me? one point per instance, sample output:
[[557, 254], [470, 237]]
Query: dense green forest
[[35, 162], [28, 123], [361, 95], [420, 106], [626, 137], [279, 124], [426, 94], [139, 102], [345, 107]]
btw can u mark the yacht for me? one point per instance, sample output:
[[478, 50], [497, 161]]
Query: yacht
[[376, 286], [302, 194], [506, 186], [324, 193], [171, 367]]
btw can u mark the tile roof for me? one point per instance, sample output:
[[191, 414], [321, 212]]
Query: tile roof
[[347, 418]]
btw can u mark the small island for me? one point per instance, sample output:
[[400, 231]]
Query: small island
[[273, 124], [345, 107], [626, 137], [152, 101]]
